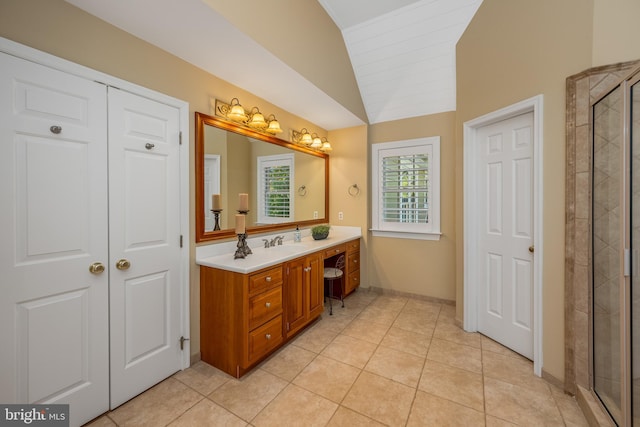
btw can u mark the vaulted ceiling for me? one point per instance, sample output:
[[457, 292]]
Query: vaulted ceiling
[[402, 52]]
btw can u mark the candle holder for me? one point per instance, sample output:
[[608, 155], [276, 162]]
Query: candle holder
[[240, 253], [245, 248], [216, 217]]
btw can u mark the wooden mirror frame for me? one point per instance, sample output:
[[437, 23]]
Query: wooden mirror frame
[[202, 120]]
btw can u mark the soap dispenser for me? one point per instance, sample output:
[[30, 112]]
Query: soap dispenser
[[297, 237]]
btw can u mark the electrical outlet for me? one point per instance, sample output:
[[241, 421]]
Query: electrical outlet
[[315, 214], [340, 216]]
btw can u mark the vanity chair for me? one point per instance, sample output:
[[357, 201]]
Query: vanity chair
[[331, 274]]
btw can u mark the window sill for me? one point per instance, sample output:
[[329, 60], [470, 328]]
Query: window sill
[[406, 235]]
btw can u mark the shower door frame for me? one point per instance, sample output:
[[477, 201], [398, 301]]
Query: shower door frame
[[626, 267]]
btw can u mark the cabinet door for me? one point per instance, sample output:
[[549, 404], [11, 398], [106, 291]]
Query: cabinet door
[[315, 277], [296, 307]]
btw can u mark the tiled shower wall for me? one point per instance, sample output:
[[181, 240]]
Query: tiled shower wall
[[582, 89]]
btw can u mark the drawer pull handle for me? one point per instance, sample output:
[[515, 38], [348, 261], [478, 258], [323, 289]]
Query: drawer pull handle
[[267, 279], [267, 304], [268, 336], [355, 261]]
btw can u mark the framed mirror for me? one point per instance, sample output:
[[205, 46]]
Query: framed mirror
[[287, 184]]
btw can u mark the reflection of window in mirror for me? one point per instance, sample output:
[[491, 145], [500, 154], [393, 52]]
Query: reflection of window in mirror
[[275, 190], [211, 186]]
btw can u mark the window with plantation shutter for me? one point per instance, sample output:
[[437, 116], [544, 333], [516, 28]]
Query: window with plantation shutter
[[275, 195], [406, 189]]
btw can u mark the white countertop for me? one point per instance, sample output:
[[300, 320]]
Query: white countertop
[[220, 255]]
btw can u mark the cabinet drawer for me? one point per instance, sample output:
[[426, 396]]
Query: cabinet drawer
[[353, 246], [266, 280], [353, 261], [265, 338], [263, 307], [353, 281], [334, 250]]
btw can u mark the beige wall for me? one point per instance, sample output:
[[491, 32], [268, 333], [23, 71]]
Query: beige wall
[[514, 50], [615, 31], [418, 266], [348, 166], [58, 28]]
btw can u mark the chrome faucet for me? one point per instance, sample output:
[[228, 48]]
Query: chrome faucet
[[277, 239], [271, 243]]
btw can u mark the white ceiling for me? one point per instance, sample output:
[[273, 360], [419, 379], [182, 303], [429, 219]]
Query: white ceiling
[[402, 52]]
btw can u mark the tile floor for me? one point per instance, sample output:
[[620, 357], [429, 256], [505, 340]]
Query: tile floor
[[381, 360]]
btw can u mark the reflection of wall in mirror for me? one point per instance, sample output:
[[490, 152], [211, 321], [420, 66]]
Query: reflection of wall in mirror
[[310, 173]]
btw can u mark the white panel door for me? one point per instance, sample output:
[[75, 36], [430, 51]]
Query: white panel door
[[505, 298], [144, 216], [53, 226]]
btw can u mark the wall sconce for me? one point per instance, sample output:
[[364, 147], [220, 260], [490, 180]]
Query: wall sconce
[[274, 125], [253, 119], [304, 137], [256, 119], [236, 111]]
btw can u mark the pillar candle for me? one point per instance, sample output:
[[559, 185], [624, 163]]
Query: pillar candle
[[244, 202], [240, 224], [215, 202]]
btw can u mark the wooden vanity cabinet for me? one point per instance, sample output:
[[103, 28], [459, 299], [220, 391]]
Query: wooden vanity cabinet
[[304, 292], [241, 317], [353, 266], [245, 317]]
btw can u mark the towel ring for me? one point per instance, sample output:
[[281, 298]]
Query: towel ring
[[354, 190], [302, 191]]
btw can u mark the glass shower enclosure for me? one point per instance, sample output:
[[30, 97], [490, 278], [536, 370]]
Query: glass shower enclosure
[[615, 279]]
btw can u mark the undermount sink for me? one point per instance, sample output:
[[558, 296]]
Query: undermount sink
[[290, 248]]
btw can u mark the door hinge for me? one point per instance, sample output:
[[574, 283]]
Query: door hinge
[[181, 240], [182, 340], [180, 137]]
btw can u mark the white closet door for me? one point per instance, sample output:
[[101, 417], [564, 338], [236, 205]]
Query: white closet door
[[53, 227], [144, 217]]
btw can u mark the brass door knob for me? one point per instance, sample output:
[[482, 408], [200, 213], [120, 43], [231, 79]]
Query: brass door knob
[[531, 248], [96, 268], [123, 264]]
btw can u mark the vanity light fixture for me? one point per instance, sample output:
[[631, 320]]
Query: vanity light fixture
[[256, 119], [311, 140], [316, 141], [274, 126], [236, 111], [253, 119], [303, 137]]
